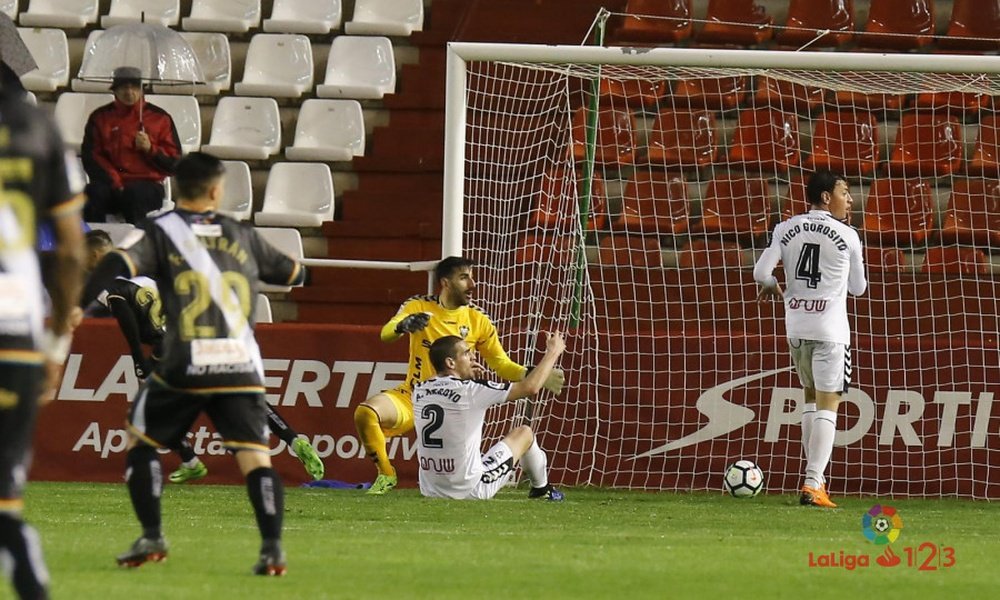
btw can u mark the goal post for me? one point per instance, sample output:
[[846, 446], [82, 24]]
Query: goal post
[[644, 254]]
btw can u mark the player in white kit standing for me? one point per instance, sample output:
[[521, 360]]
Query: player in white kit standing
[[823, 261]]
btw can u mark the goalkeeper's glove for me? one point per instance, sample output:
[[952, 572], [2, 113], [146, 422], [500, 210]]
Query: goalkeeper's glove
[[554, 382], [413, 323]]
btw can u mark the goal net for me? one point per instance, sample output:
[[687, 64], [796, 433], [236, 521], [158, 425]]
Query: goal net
[[623, 196]]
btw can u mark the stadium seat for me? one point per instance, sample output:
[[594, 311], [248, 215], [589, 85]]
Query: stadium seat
[[262, 310], [713, 94], [31, 98], [287, 240], [120, 233], [9, 8], [279, 65], [740, 22], [616, 138], [386, 17], [245, 129], [50, 50], [927, 144], [735, 205], [795, 202], [630, 250], [899, 212], [972, 19], [546, 248], [898, 25], [963, 104], [557, 205], [670, 22], [231, 16], [973, 213], [237, 199], [632, 93], [787, 96], [304, 16], [845, 142], [766, 139], [185, 112], [653, 203], [62, 14], [87, 86], [872, 101], [682, 138], [359, 67], [808, 18], [702, 253], [328, 130], [212, 52], [986, 154], [884, 259], [955, 260], [297, 195], [160, 12], [71, 114]]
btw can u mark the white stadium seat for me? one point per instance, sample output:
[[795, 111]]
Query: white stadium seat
[[328, 130], [262, 310], [64, 14], [9, 7], [237, 199], [93, 87], [297, 195], [185, 112], [72, 112], [31, 98], [278, 65], [232, 16], [287, 240], [304, 16], [245, 129], [161, 12], [50, 50], [212, 52], [359, 67], [386, 17]]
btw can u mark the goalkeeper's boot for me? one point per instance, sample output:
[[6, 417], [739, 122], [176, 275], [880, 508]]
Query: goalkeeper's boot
[[143, 550], [271, 563], [816, 497], [184, 473], [310, 460], [383, 483], [546, 493]]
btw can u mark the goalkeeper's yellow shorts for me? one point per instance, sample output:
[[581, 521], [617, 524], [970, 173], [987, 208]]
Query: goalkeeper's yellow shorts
[[402, 398]]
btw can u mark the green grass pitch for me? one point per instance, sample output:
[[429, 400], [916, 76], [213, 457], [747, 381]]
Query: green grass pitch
[[597, 544]]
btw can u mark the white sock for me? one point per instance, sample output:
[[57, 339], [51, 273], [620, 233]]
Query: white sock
[[192, 463], [536, 465], [820, 446], [808, 414]]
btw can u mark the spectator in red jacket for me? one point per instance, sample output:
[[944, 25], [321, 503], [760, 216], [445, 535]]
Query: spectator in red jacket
[[129, 147]]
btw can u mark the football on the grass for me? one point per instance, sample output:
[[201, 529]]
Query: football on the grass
[[744, 479]]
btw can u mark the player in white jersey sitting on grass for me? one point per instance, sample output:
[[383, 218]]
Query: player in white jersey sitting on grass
[[823, 261], [449, 410]]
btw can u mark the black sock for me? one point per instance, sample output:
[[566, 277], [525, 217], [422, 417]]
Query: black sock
[[21, 542], [145, 483], [267, 495], [279, 427], [185, 451]]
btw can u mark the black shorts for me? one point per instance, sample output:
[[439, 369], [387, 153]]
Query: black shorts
[[161, 416], [19, 389]]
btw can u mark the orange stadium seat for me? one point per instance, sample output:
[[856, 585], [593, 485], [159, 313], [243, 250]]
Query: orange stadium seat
[[986, 155], [654, 203], [787, 96], [958, 103], [845, 142], [955, 259], [683, 138], [898, 24], [741, 22], [632, 93], [972, 19], [795, 203], [807, 18], [866, 101], [557, 203], [884, 259], [766, 139], [546, 248], [671, 22], [616, 140], [899, 212], [973, 213], [714, 94], [701, 253], [736, 206], [927, 144], [635, 250]]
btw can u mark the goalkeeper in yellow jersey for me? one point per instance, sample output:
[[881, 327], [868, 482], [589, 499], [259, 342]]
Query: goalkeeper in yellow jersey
[[427, 318]]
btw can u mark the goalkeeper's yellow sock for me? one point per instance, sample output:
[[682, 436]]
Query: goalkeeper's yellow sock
[[373, 438]]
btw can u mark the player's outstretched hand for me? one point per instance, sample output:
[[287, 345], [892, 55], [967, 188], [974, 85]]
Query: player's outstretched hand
[[413, 323], [555, 342]]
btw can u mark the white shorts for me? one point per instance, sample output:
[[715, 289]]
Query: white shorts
[[822, 366], [498, 468]]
